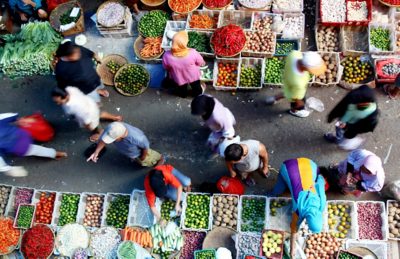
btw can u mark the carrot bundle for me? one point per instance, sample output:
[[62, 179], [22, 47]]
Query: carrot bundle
[[152, 47], [202, 21], [141, 237]]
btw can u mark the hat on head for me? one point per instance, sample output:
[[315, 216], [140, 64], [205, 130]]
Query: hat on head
[[314, 63], [114, 131], [374, 164]]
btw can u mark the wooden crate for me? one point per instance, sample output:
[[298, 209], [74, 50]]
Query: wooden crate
[[123, 30]]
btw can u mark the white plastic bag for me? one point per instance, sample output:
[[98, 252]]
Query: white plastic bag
[[223, 253], [391, 190], [315, 104]]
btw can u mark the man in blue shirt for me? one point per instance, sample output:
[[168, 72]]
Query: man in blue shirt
[[28, 8]]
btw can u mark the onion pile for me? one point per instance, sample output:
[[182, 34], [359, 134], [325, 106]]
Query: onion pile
[[193, 241], [93, 210], [369, 221], [322, 246]]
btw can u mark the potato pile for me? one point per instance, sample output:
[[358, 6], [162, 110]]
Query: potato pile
[[328, 39], [330, 75], [93, 210], [4, 195], [260, 41], [394, 219], [225, 211], [322, 246]]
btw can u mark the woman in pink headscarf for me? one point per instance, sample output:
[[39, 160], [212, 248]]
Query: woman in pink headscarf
[[361, 171]]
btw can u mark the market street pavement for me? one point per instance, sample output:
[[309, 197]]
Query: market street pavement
[[172, 130]]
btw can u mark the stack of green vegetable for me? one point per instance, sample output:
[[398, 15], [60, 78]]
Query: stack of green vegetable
[[273, 70], [66, 17], [153, 24], [30, 51], [250, 76], [199, 41]]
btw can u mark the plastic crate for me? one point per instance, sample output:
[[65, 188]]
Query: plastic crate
[[387, 215], [36, 199], [210, 66], [57, 206], [82, 207], [358, 23], [379, 248], [353, 231], [215, 197], [384, 80], [273, 84], [252, 62], [296, 46], [171, 26], [353, 40], [288, 27], [211, 13], [215, 72], [383, 216], [391, 29], [283, 215], [240, 18], [266, 211], [32, 219], [275, 255], [9, 187], [338, 71], [298, 8], [196, 253], [124, 30], [109, 198], [139, 210], [257, 14], [184, 207], [331, 23], [239, 237], [11, 209]]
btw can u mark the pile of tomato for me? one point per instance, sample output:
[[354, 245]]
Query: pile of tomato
[[45, 207], [227, 74]]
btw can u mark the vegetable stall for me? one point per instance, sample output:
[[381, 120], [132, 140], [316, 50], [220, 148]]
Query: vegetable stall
[[111, 225]]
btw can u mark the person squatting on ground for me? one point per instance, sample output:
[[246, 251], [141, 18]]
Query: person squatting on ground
[[84, 109], [299, 68], [362, 171], [246, 157], [357, 113], [307, 188], [183, 67], [217, 118], [165, 181], [25, 9], [129, 141], [18, 142], [75, 67]]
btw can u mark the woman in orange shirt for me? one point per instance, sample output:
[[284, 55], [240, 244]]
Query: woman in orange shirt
[[164, 181]]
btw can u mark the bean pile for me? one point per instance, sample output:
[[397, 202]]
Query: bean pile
[[197, 211], [394, 219], [25, 216], [45, 207], [333, 11], [153, 24], [294, 27], [4, 195], [111, 14], [339, 219], [250, 76], [193, 241], [253, 214], [260, 41], [132, 79], [328, 38], [225, 211], [206, 254], [273, 70], [68, 209], [117, 213], [380, 39], [93, 210], [284, 48], [248, 244], [369, 221]]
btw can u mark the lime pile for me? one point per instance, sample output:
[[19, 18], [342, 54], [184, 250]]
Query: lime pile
[[132, 79], [117, 213], [339, 219], [277, 204], [273, 70], [197, 211], [356, 71], [68, 208], [250, 76], [113, 66], [253, 214]]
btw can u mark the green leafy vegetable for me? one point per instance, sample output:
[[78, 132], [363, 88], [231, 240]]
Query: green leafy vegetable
[[199, 42]]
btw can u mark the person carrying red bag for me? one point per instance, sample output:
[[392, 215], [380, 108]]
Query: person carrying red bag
[[18, 142]]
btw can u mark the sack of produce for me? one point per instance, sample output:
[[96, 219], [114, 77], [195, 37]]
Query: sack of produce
[[229, 185], [38, 127]]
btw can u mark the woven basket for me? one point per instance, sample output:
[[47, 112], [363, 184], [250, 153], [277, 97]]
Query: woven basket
[[258, 8], [12, 248], [104, 72], [55, 16], [101, 7], [54, 239], [169, 4], [219, 8], [153, 3], [138, 45], [127, 94], [220, 237]]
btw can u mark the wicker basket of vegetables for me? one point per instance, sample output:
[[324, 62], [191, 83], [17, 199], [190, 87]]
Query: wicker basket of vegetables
[[153, 3], [131, 80], [110, 13], [216, 4], [61, 16], [109, 67], [148, 48], [9, 234], [184, 6]]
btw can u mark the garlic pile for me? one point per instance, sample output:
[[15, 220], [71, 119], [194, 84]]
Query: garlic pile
[[357, 11], [333, 10], [288, 5], [294, 27]]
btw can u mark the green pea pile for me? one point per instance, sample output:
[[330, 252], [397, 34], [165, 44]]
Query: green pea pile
[[25, 216], [132, 79], [205, 254], [113, 66], [380, 38], [284, 48], [153, 24], [346, 255], [274, 69], [253, 214], [250, 76], [117, 213], [198, 211], [68, 209]]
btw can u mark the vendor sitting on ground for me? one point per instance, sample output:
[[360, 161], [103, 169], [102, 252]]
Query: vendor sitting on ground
[[307, 188], [183, 67], [361, 171], [393, 90], [164, 181], [246, 157], [25, 9]]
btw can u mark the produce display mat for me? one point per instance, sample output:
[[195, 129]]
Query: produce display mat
[[283, 218], [139, 211]]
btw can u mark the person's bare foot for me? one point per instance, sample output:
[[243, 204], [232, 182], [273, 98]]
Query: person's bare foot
[[60, 154], [103, 92]]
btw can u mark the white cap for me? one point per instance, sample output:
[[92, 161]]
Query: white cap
[[314, 63], [114, 131]]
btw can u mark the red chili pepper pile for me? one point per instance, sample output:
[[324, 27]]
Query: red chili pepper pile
[[44, 208], [228, 40], [37, 242], [216, 3]]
